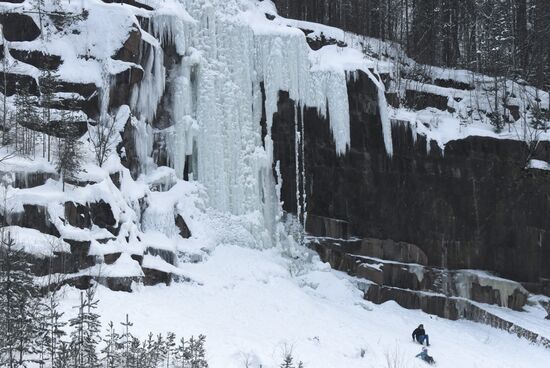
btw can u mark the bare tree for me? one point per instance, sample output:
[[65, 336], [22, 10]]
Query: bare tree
[[102, 137]]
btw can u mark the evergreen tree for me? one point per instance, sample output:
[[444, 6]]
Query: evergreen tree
[[92, 330], [110, 351], [63, 357], [125, 341], [77, 335], [197, 352], [182, 355], [17, 290], [69, 153], [288, 361], [50, 329], [170, 347], [27, 121]]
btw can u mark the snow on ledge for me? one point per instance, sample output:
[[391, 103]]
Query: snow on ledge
[[538, 164]]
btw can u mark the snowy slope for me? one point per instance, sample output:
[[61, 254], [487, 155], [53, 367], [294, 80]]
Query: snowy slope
[[249, 305]]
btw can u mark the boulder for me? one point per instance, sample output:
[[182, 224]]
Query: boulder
[[59, 129], [182, 226], [111, 257], [89, 103], [35, 217], [167, 255], [77, 215], [37, 59], [420, 100], [514, 111], [18, 84], [80, 253], [115, 178], [154, 277], [60, 263], [451, 83], [19, 27], [138, 258], [317, 42], [102, 215], [24, 179], [119, 283], [130, 50]]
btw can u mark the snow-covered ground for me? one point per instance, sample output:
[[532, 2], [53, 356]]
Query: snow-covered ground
[[253, 303]]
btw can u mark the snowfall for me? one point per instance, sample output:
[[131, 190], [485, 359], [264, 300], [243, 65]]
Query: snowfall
[[244, 278]]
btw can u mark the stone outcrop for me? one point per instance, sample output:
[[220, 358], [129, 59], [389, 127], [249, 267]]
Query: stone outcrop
[[471, 206], [450, 308], [421, 100], [37, 59], [33, 217], [19, 27], [182, 226], [18, 83], [398, 269], [24, 179], [130, 50]]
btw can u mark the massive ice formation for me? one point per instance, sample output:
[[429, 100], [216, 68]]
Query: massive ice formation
[[232, 63]]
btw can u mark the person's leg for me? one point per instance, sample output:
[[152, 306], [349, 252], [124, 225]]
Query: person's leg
[[427, 338], [421, 339]]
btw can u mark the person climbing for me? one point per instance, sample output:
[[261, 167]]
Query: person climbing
[[425, 357], [420, 335]]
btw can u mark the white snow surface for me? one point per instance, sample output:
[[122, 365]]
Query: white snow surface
[[34, 242], [249, 304]]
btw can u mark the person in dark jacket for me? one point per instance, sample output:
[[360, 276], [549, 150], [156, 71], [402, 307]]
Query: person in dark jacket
[[420, 335], [425, 357]]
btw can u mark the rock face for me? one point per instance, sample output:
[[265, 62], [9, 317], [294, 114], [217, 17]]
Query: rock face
[[19, 27], [399, 269], [450, 308], [472, 205]]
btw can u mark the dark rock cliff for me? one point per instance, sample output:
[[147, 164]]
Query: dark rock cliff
[[472, 205]]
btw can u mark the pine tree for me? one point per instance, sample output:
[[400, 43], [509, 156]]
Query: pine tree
[[110, 351], [47, 89], [170, 344], [125, 341], [197, 352], [182, 355], [69, 153], [288, 361], [63, 357], [77, 335], [50, 329], [17, 290], [27, 120], [91, 333]]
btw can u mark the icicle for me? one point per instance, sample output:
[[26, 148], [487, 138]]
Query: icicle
[[297, 141], [146, 96], [384, 115], [303, 143], [143, 140]]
